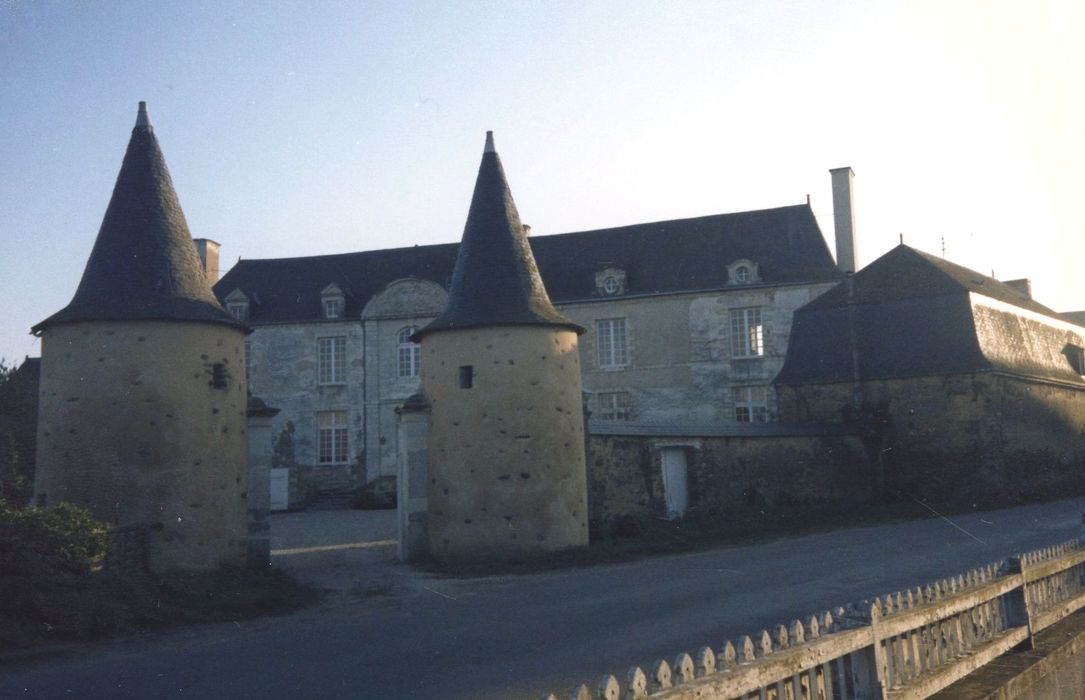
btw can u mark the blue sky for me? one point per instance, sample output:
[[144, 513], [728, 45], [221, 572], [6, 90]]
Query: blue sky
[[307, 128]]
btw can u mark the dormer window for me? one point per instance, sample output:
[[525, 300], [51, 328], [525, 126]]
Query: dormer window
[[743, 272], [237, 303], [333, 301], [610, 282], [1076, 355]]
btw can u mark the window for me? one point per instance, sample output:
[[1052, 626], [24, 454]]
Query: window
[[750, 404], [248, 362], [611, 285], [409, 355], [333, 308], [331, 437], [467, 376], [610, 342], [742, 274], [615, 405], [1076, 356], [239, 310], [331, 360], [747, 333]]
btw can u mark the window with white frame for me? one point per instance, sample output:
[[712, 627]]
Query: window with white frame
[[751, 404], [408, 354], [614, 405], [610, 342], [332, 437], [747, 333], [331, 360], [239, 310], [333, 307]]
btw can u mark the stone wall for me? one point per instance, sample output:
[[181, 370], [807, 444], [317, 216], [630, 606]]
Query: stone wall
[[978, 438], [133, 427], [724, 472]]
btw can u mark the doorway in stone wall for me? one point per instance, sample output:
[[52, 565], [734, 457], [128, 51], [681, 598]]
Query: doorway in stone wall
[[675, 487]]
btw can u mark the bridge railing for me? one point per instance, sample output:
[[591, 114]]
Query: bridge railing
[[904, 645]]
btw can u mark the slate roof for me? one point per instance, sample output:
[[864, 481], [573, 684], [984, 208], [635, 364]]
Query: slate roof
[[913, 316], [144, 265], [660, 257], [495, 280]]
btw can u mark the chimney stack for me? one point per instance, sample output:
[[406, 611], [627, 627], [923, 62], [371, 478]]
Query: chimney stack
[[844, 218], [209, 258], [1023, 285]]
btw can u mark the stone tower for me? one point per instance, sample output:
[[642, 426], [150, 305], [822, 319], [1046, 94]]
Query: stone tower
[[142, 400], [502, 372]]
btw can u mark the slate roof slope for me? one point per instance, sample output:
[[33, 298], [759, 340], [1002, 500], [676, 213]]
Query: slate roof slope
[[495, 281], [658, 257], [913, 316], [144, 265]]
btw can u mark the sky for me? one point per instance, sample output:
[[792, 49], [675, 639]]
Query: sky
[[296, 129]]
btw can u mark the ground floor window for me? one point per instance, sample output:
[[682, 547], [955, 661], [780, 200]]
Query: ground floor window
[[751, 404], [332, 439], [615, 405]]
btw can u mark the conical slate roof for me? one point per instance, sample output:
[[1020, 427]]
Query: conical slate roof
[[495, 281], [144, 265]]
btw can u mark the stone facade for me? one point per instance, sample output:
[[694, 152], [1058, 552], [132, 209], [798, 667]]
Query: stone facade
[[144, 422]]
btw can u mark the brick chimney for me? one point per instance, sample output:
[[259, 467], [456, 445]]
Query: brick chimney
[[209, 258], [844, 218]]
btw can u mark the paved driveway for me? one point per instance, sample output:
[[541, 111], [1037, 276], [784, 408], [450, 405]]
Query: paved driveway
[[391, 632]]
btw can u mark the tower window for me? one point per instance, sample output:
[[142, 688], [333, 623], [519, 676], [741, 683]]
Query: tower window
[[219, 378], [467, 376]]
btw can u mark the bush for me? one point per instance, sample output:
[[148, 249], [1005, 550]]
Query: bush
[[53, 587], [47, 558]]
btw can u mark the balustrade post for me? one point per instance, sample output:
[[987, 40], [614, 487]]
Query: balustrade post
[[1018, 608], [869, 665]]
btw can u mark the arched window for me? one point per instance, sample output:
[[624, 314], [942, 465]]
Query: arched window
[[409, 354]]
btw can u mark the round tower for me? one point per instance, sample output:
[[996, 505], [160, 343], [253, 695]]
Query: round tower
[[142, 406], [500, 366]]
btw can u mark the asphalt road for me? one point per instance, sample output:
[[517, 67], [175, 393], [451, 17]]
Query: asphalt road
[[412, 635]]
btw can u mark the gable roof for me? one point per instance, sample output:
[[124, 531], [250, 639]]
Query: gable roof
[[144, 265], [914, 315], [496, 280], [659, 257]]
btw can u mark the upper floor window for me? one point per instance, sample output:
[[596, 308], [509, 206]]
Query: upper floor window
[[743, 271], [610, 281], [333, 308], [615, 405], [237, 303], [610, 342], [747, 333], [239, 310], [331, 360], [1076, 355], [333, 301], [332, 437], [408, 354], [751, 404]]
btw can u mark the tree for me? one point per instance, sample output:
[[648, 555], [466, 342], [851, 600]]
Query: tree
[[18, 430]]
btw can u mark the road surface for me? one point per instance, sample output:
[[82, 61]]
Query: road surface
[[398, 633]]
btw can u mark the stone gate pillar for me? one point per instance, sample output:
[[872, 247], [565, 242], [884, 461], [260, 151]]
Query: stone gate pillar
[[259, 495], [412, 470]]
